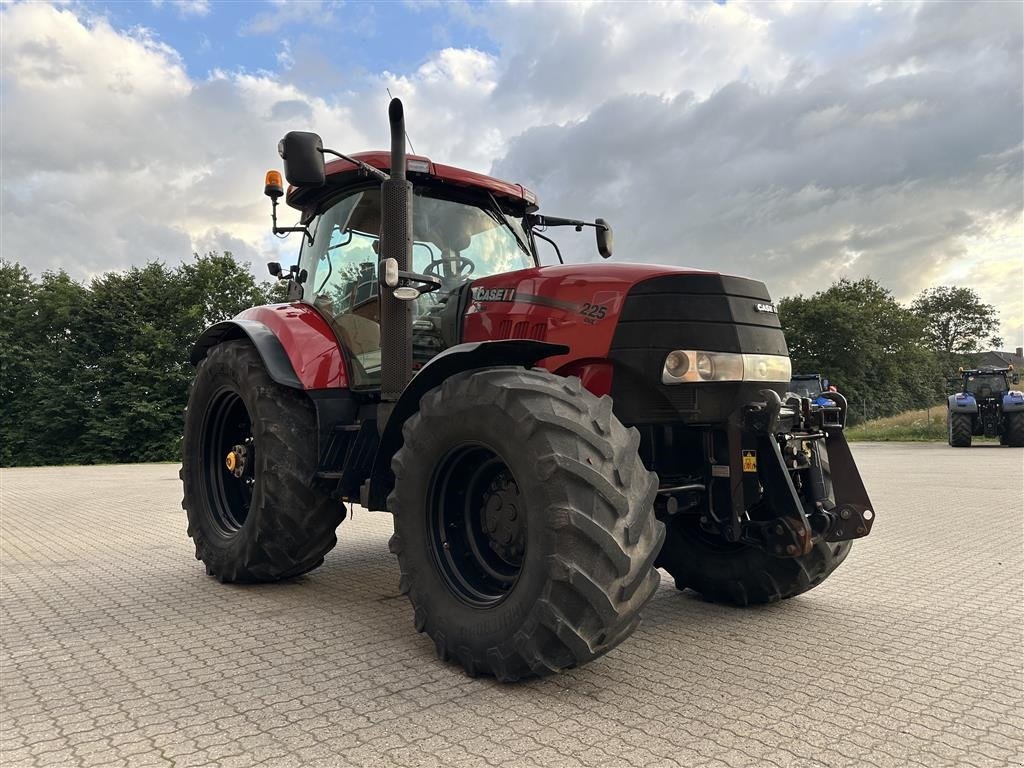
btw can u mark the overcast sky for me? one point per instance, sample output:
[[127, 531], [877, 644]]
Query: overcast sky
[[792, 142]]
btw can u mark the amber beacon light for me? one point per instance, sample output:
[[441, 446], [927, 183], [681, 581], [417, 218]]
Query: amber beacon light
[[273, 187]]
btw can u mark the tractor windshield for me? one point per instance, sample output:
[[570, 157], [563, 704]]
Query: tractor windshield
[[985, 385], [452, 240], [805, 386]]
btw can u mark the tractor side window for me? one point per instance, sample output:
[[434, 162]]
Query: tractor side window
[[342, 279]]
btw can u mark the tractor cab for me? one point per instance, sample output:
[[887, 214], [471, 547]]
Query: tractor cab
[[986, 384], [465, 226], [455, 238]]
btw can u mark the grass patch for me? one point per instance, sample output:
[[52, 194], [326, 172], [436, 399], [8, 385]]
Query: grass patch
[[925, 425]]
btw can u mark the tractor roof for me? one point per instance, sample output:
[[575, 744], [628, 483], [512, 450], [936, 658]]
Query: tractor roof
[[985, 370], [418, 168]]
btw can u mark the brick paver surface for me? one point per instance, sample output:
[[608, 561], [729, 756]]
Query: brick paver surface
[[117, 649]]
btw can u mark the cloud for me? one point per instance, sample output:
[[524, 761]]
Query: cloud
[[192, 8], [905, 164], [790, 141], [112, 155], [284, 56], [287, 12], [186, 8]]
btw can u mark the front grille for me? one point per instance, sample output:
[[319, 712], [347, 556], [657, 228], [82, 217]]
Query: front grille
[[700, 311]]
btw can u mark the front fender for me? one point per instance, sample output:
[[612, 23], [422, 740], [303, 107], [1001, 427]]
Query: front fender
[[296, 342], [961, 404], [461, 357], [275, 359]]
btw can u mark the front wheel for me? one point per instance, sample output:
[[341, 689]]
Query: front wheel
[[524, 523], [248, 459], [742, 574]]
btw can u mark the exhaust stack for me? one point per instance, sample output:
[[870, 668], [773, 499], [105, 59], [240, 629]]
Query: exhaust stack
[[395, 243]]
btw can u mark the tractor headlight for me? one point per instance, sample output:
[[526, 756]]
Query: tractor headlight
[[683, 366], [677, 364], [705, 366]]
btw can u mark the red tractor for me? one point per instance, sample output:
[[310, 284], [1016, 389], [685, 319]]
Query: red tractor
[[544, 436]]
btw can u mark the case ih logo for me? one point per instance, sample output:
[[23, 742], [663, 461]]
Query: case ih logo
[[766, 308], [493, 294]]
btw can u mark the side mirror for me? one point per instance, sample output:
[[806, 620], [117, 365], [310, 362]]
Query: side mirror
[[824, 385], [1016, 378], [604, 238], [303, 157], [274, 268]]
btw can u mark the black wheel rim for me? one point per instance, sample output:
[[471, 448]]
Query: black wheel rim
[[476, 525], [228, 430]]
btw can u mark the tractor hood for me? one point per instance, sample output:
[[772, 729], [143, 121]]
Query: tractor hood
[[629, 317]]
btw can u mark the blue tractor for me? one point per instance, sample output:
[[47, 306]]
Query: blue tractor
[[811, 386], [986, 405]]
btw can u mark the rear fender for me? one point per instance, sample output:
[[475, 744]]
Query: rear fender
[[1013, 402], [960, 404], [461, 357]]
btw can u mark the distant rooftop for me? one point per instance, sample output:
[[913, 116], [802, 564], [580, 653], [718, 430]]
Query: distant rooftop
[[998, 359]]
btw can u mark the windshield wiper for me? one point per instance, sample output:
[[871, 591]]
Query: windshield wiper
[[499, 216]]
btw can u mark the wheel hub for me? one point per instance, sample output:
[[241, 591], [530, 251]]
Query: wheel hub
[[503, 520], [237, 459]]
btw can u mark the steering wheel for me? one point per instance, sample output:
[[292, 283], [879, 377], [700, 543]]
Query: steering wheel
[[463, 267]]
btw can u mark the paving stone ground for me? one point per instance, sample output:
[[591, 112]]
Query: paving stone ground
[[117, 649]]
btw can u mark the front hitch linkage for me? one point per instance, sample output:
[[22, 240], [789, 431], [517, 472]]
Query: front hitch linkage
[[780, 455]]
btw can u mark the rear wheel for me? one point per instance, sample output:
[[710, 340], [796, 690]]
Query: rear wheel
[[960, 430], [742, 574], [249, 453], [1015, 429], [524, 523]]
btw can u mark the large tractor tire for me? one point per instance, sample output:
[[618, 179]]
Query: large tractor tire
[[960, 430], [524, 523], [1015, 429], [248, 458], [742, 574]]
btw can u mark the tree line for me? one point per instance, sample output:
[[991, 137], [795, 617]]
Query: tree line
[[97, 372], [886, 358]]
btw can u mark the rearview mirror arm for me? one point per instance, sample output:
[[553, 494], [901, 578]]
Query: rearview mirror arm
[[537, 220], [364, 167], [285, 230]]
